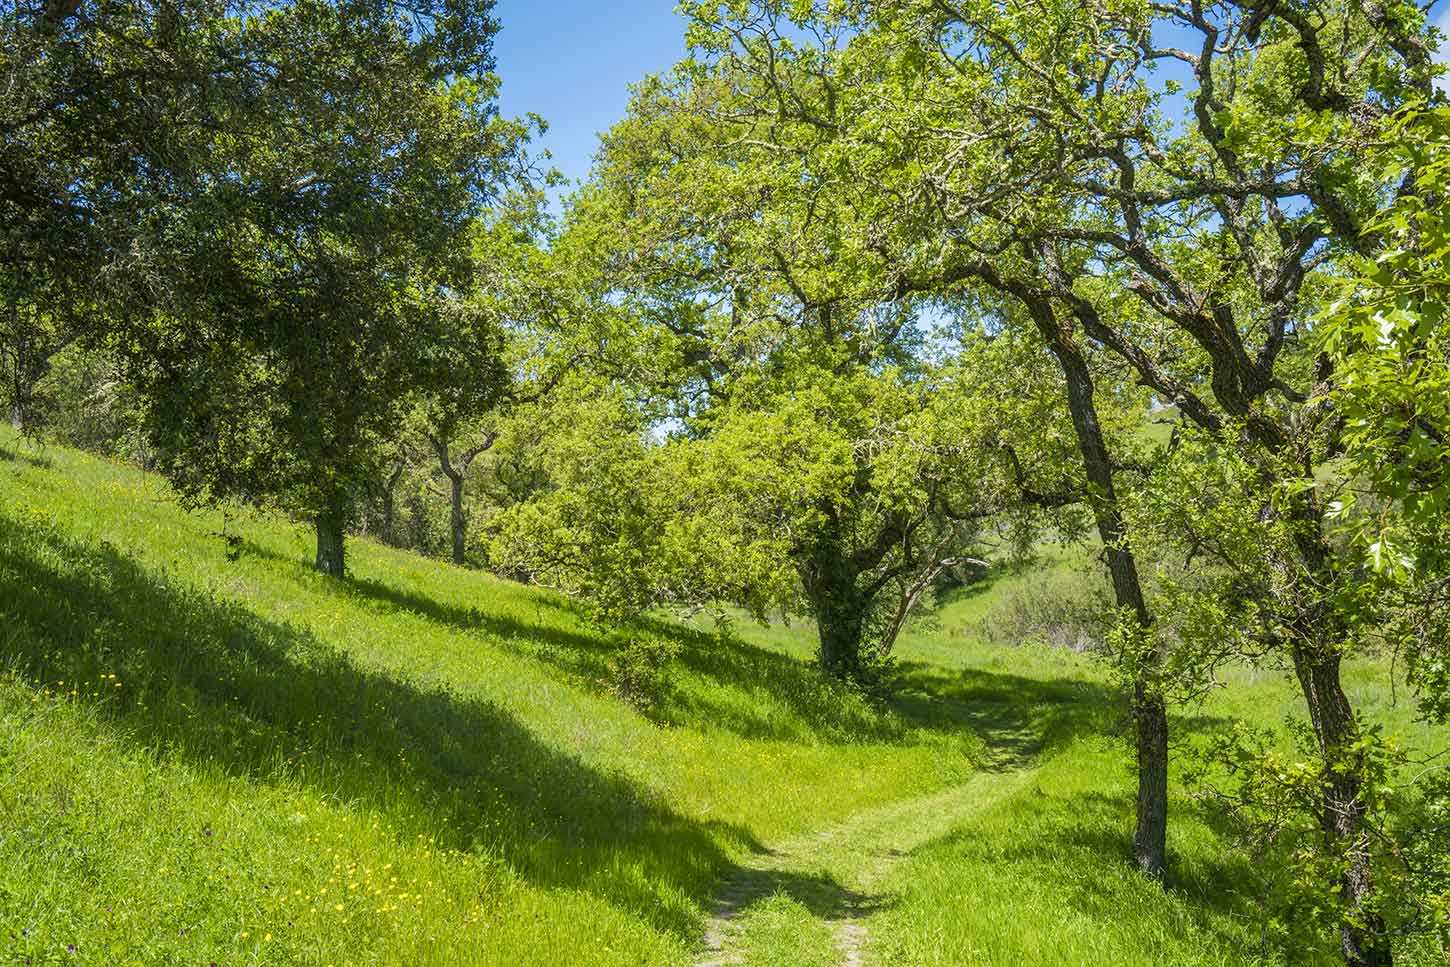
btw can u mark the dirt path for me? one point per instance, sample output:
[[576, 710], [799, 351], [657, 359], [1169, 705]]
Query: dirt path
[[838, 873]]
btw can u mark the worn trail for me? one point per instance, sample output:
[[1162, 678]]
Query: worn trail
[[838, 874]]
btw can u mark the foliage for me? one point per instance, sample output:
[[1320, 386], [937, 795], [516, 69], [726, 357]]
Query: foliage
[[820, 459], [639, 672], [433, 703], [1386, 340], [1064, 609], [855, 293], [1271, 795], [336, 300], [87, 189], [88, 404], [1032, 150], [592, 528]]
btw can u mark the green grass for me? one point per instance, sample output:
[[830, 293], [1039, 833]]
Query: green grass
[[206, 759], [781, 931], [443, 726], [1042, 878]]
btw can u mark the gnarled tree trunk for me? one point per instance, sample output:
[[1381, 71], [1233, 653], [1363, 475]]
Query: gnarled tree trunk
[[1363, 940], [390, 489], [1336, 729], [458, 523], [830, 583], [839, 629], [457, 475]]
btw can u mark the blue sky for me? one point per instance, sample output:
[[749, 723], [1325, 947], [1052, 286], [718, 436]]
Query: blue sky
[[572, 62]]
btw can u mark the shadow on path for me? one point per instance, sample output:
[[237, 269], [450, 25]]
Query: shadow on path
[[840, 874], [1020, 719]]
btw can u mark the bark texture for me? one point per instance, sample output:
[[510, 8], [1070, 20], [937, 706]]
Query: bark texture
[[830, 583], [839, 629], [831, 574], [457, 474], [330, 542], [1364, 942], [458, 523], [1150, 713], [1317, 666]]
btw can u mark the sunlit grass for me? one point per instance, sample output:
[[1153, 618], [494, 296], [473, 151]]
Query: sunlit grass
[[782, 932], [210, 753], [416, 714], [1042, 878]]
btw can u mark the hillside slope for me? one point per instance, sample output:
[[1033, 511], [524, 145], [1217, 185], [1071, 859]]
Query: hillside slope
[[210, 754], [421, 764]]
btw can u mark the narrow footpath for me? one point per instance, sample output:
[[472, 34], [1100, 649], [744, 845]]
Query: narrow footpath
[[840, 873]]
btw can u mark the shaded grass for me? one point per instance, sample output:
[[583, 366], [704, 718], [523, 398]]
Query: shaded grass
[[1042, 878], [1045, 877], [440, 752], [213, 683]]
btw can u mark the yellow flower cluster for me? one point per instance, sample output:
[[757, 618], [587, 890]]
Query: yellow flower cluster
[[77, 689]]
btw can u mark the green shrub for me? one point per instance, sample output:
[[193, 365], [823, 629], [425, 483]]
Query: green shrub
[[639, 670], [1070, 609]]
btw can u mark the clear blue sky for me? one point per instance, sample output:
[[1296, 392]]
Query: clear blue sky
[[572, 61]]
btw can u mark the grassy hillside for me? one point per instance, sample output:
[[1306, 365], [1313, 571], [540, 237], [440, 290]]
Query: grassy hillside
[[210, 754]]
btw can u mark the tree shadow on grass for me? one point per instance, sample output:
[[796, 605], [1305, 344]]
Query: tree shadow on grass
[[818, 709], [1053, 841], [388, 598], [740, 687], [1213, 888], [38, 462], [822, 896], [1019, 718], [212, 682]]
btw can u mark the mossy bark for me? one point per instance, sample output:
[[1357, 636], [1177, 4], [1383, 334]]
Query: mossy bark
[[331, 540]]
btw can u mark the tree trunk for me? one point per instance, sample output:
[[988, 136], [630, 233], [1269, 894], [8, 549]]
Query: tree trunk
[[388, 514], [457, 477], [1150, 836], [1150, 713], [17, 416], [457, 520], [1364, 941], [390, 487], [831, 586], [330, 538], [840, 641], [1316, 656]]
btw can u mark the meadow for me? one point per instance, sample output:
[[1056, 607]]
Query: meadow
[[211, 754]]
